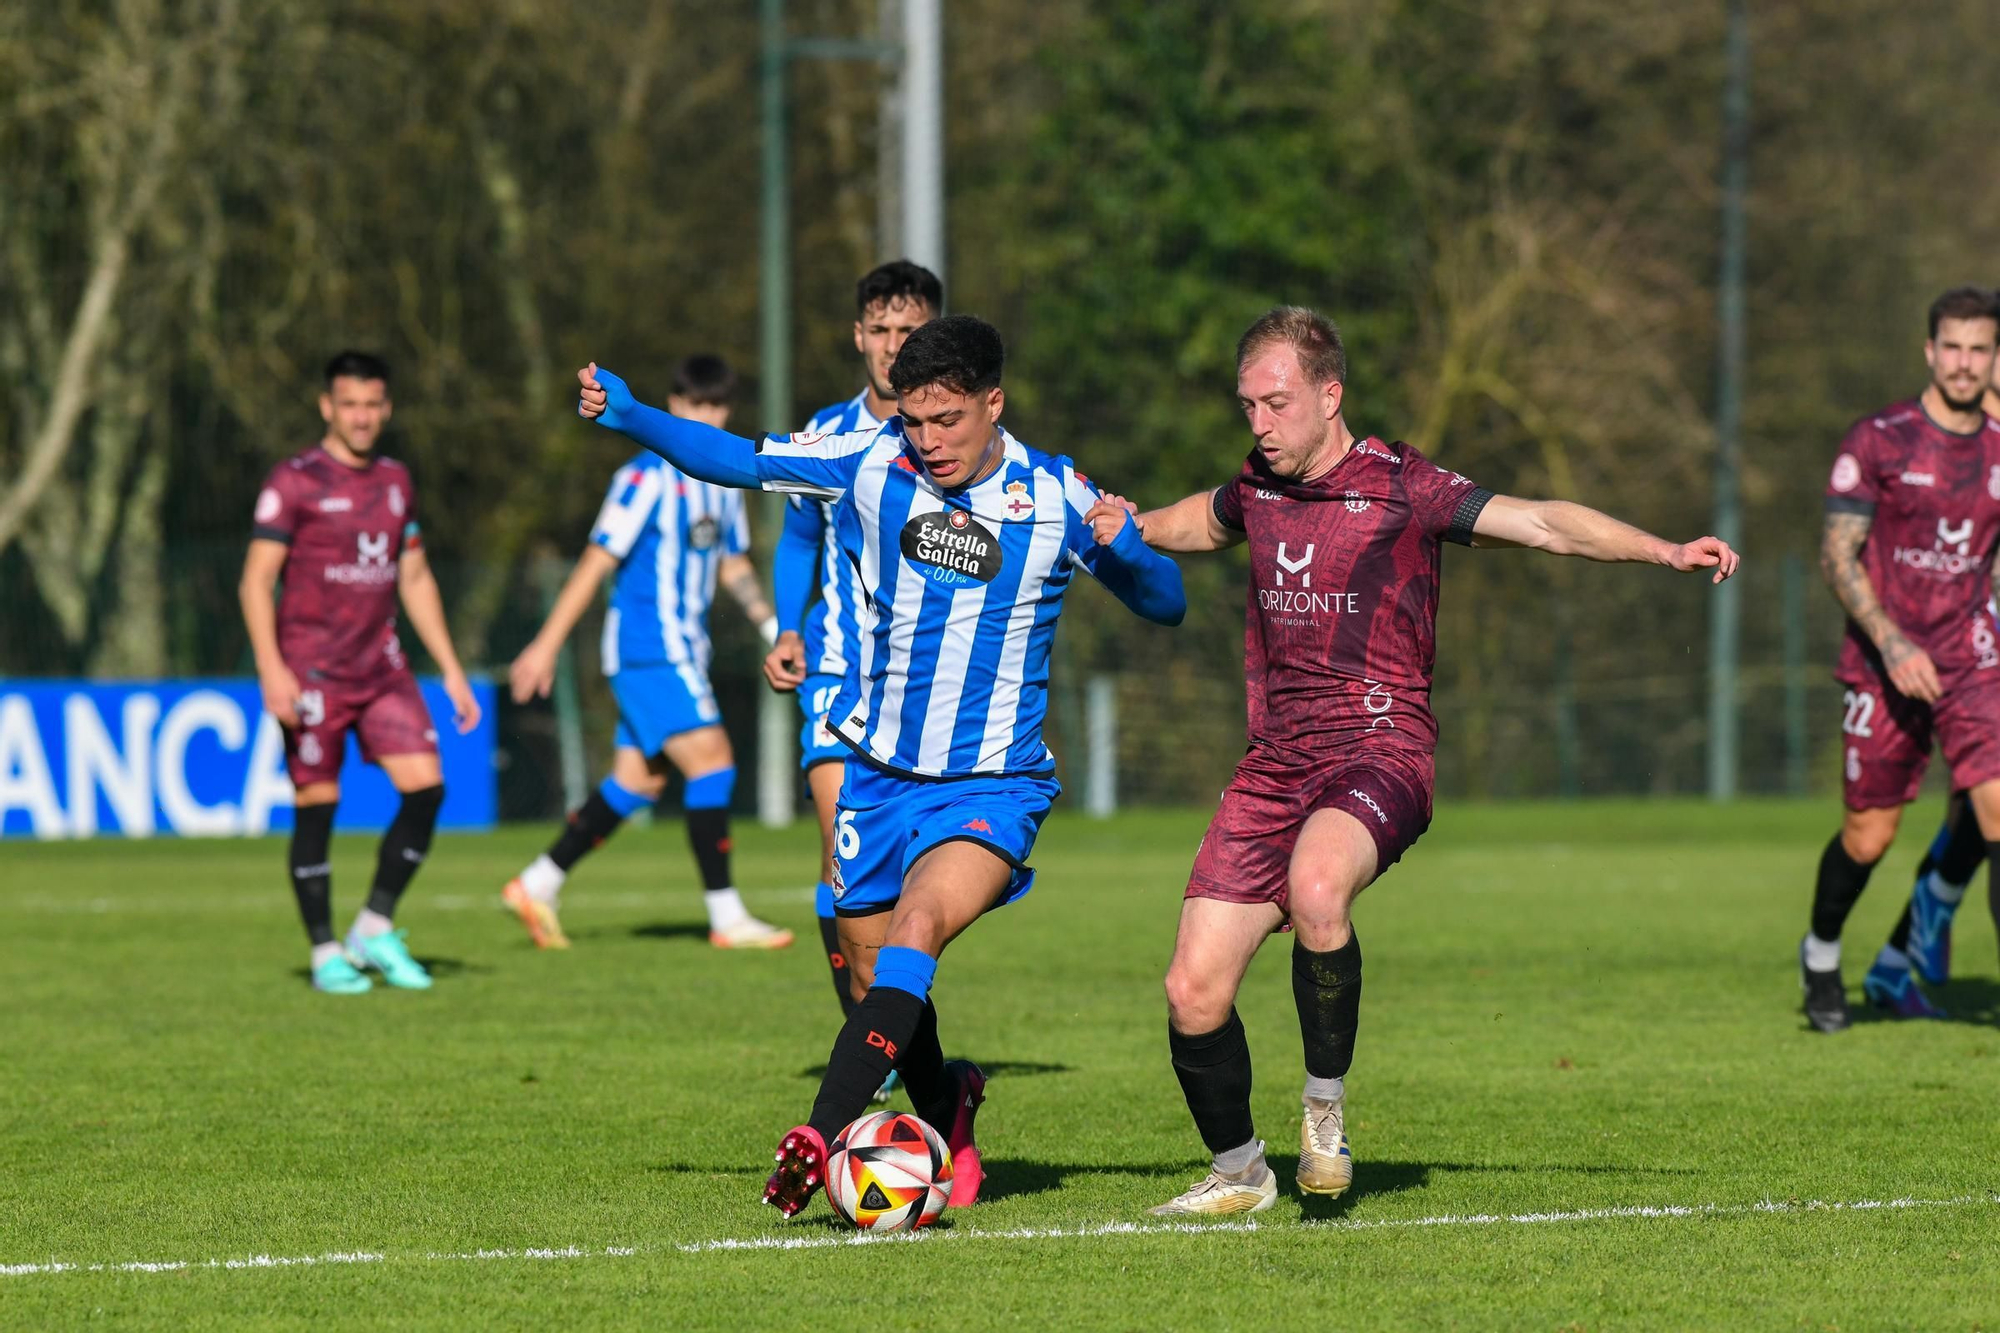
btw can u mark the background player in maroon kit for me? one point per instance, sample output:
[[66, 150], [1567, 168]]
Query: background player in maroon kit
[[339, 525], [1912, 518], [1345, 537]]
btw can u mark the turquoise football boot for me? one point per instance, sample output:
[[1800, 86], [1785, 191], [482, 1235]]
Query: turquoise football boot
[[387, 954], [337, 976]]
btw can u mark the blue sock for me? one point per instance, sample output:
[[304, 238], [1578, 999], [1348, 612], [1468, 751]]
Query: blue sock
[[710, 791], [823, 900], [623, 801], [907, 970]]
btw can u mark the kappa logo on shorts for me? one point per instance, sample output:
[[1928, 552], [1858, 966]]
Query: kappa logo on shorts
[[978, 826], [1370, 802]]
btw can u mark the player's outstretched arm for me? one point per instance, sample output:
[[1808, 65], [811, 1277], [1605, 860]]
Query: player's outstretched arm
[[1187, 525], [1910, 667], [739, 576], [533, 673], [1562, 528], [1146, 581], [699, 450], [425, 607]]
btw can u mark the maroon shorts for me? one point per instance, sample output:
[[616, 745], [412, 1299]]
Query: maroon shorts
[[1246, 855], [1886, 738], [388, 716]]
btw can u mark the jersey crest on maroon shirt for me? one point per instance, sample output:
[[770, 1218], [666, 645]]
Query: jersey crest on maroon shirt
[[347, 529], [1934, 498], [1340, 634]]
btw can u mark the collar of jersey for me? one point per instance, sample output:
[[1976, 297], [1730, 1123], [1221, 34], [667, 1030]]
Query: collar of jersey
[[1321, 488], [1011, 451]]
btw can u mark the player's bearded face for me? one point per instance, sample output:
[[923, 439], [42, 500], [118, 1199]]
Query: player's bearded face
[[355, 410], [880, 333], [1291, 420], [1961, 357], [955, 434]]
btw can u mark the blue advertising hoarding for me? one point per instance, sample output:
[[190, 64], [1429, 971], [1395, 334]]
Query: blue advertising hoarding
[[137, 759]]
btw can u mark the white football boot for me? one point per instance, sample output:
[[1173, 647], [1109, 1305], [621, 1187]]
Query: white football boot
[[1326, 1167], [1217, 1195]]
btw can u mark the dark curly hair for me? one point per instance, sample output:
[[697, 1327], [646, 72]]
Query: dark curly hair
[[898, 280], [961, 353]]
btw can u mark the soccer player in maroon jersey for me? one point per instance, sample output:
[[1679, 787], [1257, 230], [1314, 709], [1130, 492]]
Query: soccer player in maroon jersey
[[1345, 536], [1912, 518], [339, 525], [1921, 940]]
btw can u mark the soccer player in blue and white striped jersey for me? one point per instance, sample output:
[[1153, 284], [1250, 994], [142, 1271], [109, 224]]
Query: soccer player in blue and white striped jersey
[[819, 594], [967, 541], [665, 540]]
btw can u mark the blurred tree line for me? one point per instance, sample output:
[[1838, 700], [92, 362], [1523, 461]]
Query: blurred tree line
[[1510, 208]]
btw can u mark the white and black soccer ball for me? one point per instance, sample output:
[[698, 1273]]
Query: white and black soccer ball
[[888, 1172]]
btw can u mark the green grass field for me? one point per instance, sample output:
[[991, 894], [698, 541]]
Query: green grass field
[[1589, 1011]]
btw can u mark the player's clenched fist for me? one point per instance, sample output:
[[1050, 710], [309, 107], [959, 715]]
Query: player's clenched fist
[[1706, 553], [591, 402], [1107, 518], [785, 664]]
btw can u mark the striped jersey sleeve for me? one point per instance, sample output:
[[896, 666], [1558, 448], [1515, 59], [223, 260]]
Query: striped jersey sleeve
[[628, 504]]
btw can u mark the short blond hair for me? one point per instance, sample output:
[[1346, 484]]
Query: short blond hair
[[1307, 332]]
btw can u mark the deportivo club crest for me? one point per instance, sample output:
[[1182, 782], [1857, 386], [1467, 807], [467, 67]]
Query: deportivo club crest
[[704, 533], [1020, 504]]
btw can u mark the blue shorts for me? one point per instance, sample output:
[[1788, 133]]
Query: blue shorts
[[817, 743], [886, 822], [660, 701]]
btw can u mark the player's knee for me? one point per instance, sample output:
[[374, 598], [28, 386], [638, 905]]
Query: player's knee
[[1195, 1003], [1321, 901], [1867, 840]]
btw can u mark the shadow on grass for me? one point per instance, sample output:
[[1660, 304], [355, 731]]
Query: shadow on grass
[[1380, 1178], [991, 1068], [1973, 1000], [671, 930]]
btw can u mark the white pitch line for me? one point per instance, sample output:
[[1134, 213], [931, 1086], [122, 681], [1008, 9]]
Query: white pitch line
[[1341, 1224], [1098, 1230]]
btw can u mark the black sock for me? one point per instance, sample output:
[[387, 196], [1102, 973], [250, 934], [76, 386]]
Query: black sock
[[589, 825], [1214, 1070], [708, 834], [870, 1043], [1841, 880], [922, 1064], [829, 935], [1899, 938], [1327, 989], [312, 875], [1966, 848], [404, 847]]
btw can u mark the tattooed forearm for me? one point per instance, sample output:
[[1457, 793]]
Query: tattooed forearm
[[1840, 562], [739, 577]]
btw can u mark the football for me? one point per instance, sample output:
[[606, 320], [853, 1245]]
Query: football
[[888, 1172]]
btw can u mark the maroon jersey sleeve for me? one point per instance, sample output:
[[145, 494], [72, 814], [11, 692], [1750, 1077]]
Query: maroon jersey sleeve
[[405, 498], [1855, 483], [1444, 503], [277, 514], [1226, 502]]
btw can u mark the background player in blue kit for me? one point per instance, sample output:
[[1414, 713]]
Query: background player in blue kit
[[966, 541], [818, 594], [668, 539]]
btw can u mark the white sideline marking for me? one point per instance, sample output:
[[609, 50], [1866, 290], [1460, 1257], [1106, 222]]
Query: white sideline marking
[[1342, 1224], [1700, 1210]]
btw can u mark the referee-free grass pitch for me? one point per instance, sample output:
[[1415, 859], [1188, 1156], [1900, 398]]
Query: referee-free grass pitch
[[1569, 1009]]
